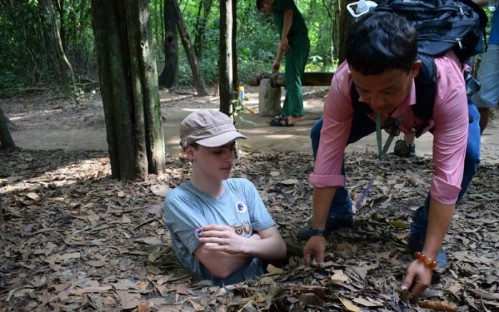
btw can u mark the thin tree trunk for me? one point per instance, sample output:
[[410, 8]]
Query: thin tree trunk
[[65, 69], [168, 76], [225, 62], [158, 25], [59, 7], [6, 141], [200, 26], [198, 32], [235, 68], [189, 51], [2, 221], [345, 22], [333, 12], [128, 80]]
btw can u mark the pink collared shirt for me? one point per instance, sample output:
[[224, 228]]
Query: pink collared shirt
[[450, 119]]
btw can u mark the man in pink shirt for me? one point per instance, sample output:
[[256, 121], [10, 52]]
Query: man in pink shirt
[[381, 64]]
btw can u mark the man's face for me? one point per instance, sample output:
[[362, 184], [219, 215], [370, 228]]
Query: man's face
[[267, 7], [385, 92]]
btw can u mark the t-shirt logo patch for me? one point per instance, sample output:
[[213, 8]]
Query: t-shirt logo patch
[[242, 228], [239, 230], [241, 207], [247, 227]]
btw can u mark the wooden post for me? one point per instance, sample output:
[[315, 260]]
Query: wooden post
[[269, 99], [278, 79], [2, 222], [6, 141]]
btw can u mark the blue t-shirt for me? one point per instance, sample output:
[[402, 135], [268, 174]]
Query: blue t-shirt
[[240, 206]]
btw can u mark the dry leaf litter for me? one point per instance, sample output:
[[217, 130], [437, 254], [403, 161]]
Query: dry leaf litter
[[73, 239]]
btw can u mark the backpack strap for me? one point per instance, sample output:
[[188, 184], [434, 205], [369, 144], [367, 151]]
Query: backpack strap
[[426, 85]]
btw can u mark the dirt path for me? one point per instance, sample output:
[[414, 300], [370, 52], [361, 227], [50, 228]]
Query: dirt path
[[47, 123]]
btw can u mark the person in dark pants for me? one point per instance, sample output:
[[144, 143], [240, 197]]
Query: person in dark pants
[[383, 69], [295, 45], [488, 74]]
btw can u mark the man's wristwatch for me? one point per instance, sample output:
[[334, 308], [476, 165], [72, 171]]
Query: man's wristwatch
[[317, 233]]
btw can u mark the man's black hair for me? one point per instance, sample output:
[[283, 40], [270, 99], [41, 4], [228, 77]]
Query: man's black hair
[[381, 41]]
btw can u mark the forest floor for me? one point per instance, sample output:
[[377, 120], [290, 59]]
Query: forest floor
[[73, 239]]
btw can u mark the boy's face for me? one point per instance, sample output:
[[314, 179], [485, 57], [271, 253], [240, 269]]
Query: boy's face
[[267, 7], [385, 92], [212, 162]]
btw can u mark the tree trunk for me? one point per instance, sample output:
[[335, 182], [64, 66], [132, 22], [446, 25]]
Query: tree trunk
[[235, 68], [59, 7], [225, 77], [129, 87], [2, 222], [65, 69], [345, 22], [168, 76], [159, 26], [197, 76], [6, 141], [200, 26], [335, 21]]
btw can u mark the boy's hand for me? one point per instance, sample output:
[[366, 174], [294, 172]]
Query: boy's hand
[[221, 238]]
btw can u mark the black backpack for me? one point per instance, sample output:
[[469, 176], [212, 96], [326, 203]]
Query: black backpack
[[442, 25]]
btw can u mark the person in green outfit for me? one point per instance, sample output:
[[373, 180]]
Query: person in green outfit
[[294, 43]]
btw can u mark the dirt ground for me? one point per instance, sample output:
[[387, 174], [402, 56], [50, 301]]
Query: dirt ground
[[45, 122], [73, 239]]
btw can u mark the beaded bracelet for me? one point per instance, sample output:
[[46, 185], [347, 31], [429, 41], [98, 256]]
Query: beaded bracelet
[[432, 264]]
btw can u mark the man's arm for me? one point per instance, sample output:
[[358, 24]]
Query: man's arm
[[439, 220], [316, 245], [418, 274], [283, 46], [450, 139], [327, 176]]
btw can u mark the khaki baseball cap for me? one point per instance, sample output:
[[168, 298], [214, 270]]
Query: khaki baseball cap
[[208, 128]]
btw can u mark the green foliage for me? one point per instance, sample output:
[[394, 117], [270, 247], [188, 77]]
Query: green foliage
[[490, 12], [238, 108], [27, 59], [257, 39], [21, 60]]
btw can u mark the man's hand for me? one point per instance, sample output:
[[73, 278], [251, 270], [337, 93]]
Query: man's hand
[[284, 45], [314, 248], [418, 278], [282, 48], [276, 66]]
